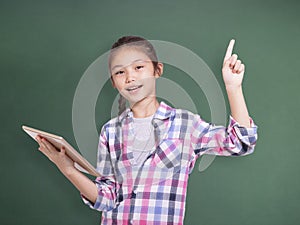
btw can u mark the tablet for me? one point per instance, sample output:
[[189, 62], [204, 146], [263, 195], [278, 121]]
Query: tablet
[[79, 162]]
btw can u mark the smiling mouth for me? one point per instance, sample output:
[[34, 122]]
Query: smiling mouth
[[134, 88]]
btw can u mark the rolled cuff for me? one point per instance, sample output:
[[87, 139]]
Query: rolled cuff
[[106, 199], [247, 135]]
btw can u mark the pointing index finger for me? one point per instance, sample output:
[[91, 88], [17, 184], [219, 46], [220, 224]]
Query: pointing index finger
[[229, 49]]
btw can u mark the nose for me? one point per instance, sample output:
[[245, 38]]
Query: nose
[[130, 76]]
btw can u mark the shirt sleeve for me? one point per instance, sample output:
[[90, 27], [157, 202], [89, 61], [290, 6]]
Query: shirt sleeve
[[106, 184], [233, 140]]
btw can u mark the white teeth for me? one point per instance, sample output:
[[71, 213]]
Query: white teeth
[[133, 88]]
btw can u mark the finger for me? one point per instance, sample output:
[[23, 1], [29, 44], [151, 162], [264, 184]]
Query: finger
[[38, 139], [44, 150], [48, 145], [237, 66], [229, 50], [242, 68], [226, 64], [233, 60], [62, 150], [41, 143], [48, 148]]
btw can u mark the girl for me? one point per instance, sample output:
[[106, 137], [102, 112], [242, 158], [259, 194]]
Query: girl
[[146, 153]]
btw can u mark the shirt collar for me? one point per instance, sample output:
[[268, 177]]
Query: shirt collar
[[164, 111]]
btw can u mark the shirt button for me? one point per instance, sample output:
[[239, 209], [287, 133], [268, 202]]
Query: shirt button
[[133, 194]]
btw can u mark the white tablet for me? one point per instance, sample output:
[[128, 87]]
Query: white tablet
[[79, 162]]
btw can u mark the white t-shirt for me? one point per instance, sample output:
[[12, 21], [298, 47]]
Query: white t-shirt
[[144, 140]]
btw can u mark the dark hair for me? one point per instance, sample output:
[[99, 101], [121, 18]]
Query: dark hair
[[144, 46]]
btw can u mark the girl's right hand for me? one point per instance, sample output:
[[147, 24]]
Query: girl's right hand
[[58, 156]]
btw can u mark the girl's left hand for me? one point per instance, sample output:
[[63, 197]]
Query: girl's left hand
[[233, 68]]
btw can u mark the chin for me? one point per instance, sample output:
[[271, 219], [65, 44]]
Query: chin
[[136, 100]]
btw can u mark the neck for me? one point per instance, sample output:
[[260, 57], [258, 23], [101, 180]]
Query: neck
[[145, 108]]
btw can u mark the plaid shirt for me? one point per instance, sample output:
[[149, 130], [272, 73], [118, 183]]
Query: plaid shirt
[[155, 193]]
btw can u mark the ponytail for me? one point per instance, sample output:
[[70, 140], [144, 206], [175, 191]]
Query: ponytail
[[122, 104]]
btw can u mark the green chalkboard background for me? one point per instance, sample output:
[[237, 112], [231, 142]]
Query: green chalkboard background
[[45, 48]]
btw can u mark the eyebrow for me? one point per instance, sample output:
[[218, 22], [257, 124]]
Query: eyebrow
[[142, 60]]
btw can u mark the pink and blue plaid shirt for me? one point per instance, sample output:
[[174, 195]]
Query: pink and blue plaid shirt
[[155, 193]]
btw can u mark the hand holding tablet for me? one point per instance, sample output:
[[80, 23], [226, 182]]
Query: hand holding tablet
[[49, 142]]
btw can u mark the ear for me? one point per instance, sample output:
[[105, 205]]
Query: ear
[[112, 82], [159, 71]]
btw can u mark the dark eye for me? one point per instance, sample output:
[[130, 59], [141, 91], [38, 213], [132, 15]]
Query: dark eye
[[119, 72], [139, 67]]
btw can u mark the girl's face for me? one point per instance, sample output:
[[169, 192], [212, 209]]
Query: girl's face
[[133, 74]]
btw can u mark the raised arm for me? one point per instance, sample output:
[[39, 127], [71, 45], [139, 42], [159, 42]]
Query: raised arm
[[233, 73], [240, 136]]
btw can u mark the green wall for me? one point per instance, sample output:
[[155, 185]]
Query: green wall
[[46, 46]]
